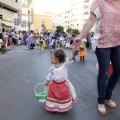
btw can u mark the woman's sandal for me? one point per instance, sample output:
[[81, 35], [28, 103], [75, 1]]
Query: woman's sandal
[[102, 109], [110, 103]]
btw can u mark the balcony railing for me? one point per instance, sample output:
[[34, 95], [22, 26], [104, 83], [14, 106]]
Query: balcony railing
[[14, 5]]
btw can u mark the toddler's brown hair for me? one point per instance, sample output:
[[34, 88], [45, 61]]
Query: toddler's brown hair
[[60, 55]]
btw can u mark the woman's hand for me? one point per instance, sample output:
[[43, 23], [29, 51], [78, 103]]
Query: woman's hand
[[72, 46], [75, 44]]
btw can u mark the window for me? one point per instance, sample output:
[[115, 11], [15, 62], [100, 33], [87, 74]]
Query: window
[[24, 21], [85, 6], [43, 24], [77, 24], [86, 0], [85, 19], [24, 24], [86, 12], [15, 0]]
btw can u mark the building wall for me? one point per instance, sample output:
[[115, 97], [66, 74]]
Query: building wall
[[24, 17], [77, 14], [46, 19], [75, 17], [12, 4], [9, 9]]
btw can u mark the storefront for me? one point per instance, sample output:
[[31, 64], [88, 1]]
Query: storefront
[[7, 20], [6, 24]]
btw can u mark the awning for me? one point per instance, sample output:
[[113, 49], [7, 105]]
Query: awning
[[11, 24]]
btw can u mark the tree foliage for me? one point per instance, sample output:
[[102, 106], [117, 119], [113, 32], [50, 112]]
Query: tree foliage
[[60, 29], [69, 30], [75, 31], [29, 2]]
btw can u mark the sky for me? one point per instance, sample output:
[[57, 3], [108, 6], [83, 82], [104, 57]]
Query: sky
[[55, 6]]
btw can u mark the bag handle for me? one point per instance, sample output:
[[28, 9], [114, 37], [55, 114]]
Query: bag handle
[[38, 85]]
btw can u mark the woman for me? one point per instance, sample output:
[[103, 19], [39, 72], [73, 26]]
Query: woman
[[108, 47]]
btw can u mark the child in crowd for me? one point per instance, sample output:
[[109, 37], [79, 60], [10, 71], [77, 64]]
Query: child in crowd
[[82, 50], [75, 51], [53, 44], [2, 47], [58, 44], [61, 92], [41, 45]]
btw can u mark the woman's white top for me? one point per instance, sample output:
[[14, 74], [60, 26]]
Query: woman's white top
[[59, 73]]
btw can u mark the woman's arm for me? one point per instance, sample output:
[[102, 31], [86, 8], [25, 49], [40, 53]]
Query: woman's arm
[[88, 25], [71, 55]]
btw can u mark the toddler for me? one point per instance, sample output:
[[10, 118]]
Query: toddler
[[61, 92]]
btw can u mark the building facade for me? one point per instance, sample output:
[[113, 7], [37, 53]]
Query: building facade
[[76, 16], [44, 22], [26, 17], [9, 11], [87, 5]]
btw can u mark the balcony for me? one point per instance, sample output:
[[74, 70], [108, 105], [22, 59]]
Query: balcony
[[86, 0], [86, 12], [12, 5]]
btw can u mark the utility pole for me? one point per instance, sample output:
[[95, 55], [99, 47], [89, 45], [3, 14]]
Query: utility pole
[[29, 15], [29, 20]]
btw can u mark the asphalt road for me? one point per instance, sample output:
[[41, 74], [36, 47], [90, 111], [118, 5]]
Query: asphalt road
[[22, 69]]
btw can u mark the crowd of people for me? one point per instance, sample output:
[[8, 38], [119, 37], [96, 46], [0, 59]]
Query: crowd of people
[[11, 38]]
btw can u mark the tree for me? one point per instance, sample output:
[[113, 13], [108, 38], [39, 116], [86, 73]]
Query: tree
[[75, 31], [29, 2], [60, 29], [69, 30]]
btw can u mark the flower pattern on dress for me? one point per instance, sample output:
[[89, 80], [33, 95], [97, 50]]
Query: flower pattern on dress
[[110, 22]]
